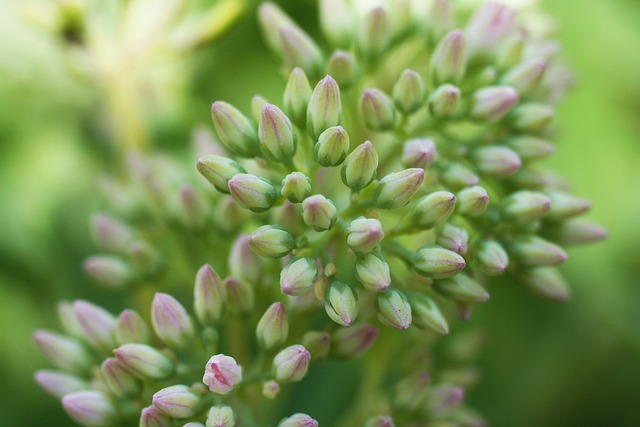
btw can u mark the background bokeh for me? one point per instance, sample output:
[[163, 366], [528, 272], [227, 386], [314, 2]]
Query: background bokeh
[[543, 364]]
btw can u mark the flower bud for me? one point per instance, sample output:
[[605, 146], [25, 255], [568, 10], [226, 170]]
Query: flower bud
[[222, 374], [332, 146], [271, 241], [221, 416], [411, 391], [194, 212], [397, 188], [209, 296], [291, 364], [510, 53], [229, 216], [297, 277], [111, 234], [364, 234], [340, 303], [63, 352], [298, 420], [296, 96], [409, 92], [439, 18], [427, 314], [318, 212], [171, 322], [177, 401], [243, 262], [532, 117], [491, 103], [218, 170], [546, 282], [530, 148], [375, 33], [336, 22], [379, 421], [257, 104], [151, 417], [194, 424], [454, 238], [270, 389], [240, 296], [299, 50], [437, 262], [118, 380], [442, 399], [109, 271], [377, 110], [473, 201], [457, 175], [576, 232], [90, 408], [273, 327], [444, 101], [489, 26], [394, 310], [131, 328], [234, 130], [144, 362], [325, 109], [497, 161], [360, 167], [353, 341], [343, 68], [433, 209], [317, 343], [491, 256], [252, 192], [419, 153], [525, 206], [526, 77], [373, 272], [532, 251], [277, 139], [564, 206], [463, 289], [98, 325], [448, 62], [70, 323], [59, 384]]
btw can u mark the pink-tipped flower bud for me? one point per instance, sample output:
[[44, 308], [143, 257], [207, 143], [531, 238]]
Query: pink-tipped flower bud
[[325, 108], [291, 364], [271, 241], [436, 262], [532, 117], [527, 76], [144, 361], [270, 389], [336, 22], [377, 110], [171, 322], [111, 234], [433, 209], [63, 352], [298, 420], [473, 201], [444, 101], [343, 68], [252, 192], [318, 212], [409, 92], [296, 187], [90, 408], [449, 60], [394, 310], [397, 188], [151, 417], [221, 416], [360, 167], [491, 256], [372, 271], [364, 234], [98, 325], [296, 96], [353, 341], [240, 296], [276, 135], [317, 343], [109, 271], [489, 26], [209, 296], [546, 282], [379, 421], [341, 303], [427, 314], [497, 161], [533, 251], [375, 33], [273, 327], [131, 328], [218, 170], [332, 146], [297, 277], [234, 130], [491, 103], [177, 401], [222, 374], [419, 153], [457, 175], [454, 238], [59, 384], [463, 289], [118, 380]]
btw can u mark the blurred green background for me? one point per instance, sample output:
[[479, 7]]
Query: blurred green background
[[544, 363]]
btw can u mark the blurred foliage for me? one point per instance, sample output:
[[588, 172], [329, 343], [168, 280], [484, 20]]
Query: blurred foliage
[[544, 363]]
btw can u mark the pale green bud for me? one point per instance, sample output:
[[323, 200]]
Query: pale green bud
[[360, 167], [270, 389], [375, 33], [576, 232], [297, 277], [171, 322], [177, 401], [525, 206], [257, 104], [230, 217], [377, 110], [243, 262], [146, 259], [427, 314], [98, 325], [461, 288], [234, 130], [448, 62], [489, 26], [490, 104], [111, 234], [272, 19], [218, 170], [209, 296], [372, 271], [240, 296], [252, 192], [411, 391], [397, 188], [510, 53], [70, 323], [59, 384], [318, 212], [354, 341], [530, 148], [364, 234], [131, 328], [151, 417], [277, 139], [273, 327], [532, 251], [473, 201], [271, 241], [527, 76], [564, 206], [546, 282], [443, 399], [343, 68], [296, 187], [63, 352], [317, 343], [332, 146], [90, 408], [336, 22], [532, 117], [409, 92], [437, 262], [394, 310], [444, 101], [419, 153], [433, 209], [195, 211], [221, 416], [296, 96], [325, 108], [459, 176], [109, 271], [144, 362], [222, 374], [439, 18], [492, 257], [497, 161], [298, 420], [118, 380], [291, 364], [299, 50], [454, 238], [289, 216], [340, 303], [379, 421]]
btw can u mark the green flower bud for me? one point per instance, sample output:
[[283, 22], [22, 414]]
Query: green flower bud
[[318, 212], [240, 296], [443, 399], [397, 188], [230, 217], [325, 109], [270, 389], [272, 19], [360, 167], [354, 341], [546, 282], [221, 416], [151, 417], [291, 364], [433, 209], [257, 104], [532, 117], [296, 96], [419, 153], [576, 232], [454, 238], [111, 234], [490, 104], [364, 234], [171, 322], [144, 362], [98, 325], [489, 26], [317, 343], [70, 323], [277, 139], [234, 130], [411, 391], [299, 50], [118, 380], [194, 210], [296, 187], [90, 408], [436, 262], [444, 101], [177, 401], [527, 76], [427, 314], [131, 328], [439, 18], [146, 259], [63, 352], [297, 277], [243, 262], [473, 201], [510, 53], [532, 251], [375, 33], [459, 176], [394, 310], [59, 384], [564, 206], [271, 241], [222, 374], [273, 327], [336, 22], [252, 192], [448, 62], [373, 272], [492, 257], [530, 148], [377, 110], [379, 421], [340, 303], [109, 271], [209, 296], [298, 420], [289, 216], [332, 146], [343, 68], [461, 288], [525, 206], [409, 92], [497, 161]]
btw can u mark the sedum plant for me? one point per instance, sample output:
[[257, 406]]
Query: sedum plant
[[354, 218]]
